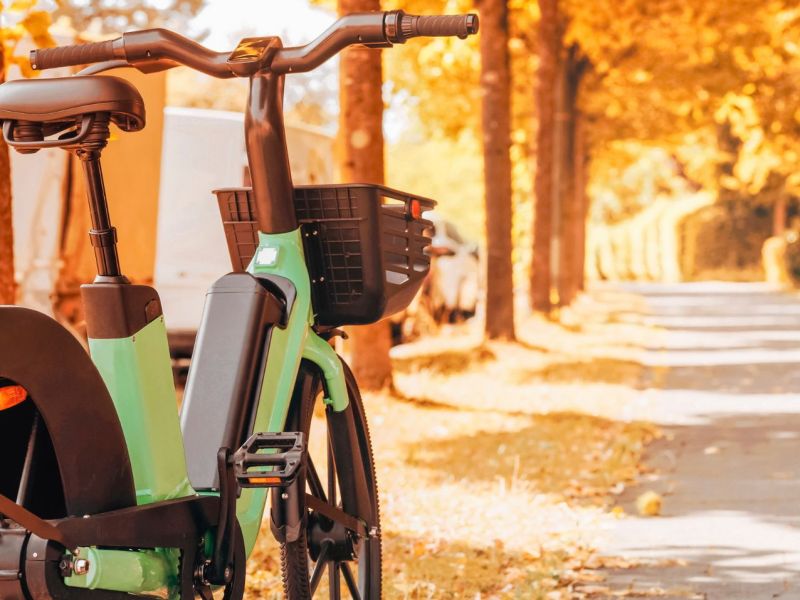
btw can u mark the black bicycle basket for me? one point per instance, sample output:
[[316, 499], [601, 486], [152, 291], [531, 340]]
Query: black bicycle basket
[[365, 245]]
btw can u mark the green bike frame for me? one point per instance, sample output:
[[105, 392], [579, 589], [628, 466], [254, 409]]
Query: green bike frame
[[138, 374]]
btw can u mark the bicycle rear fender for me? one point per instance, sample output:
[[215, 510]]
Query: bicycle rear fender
[[43, 357]]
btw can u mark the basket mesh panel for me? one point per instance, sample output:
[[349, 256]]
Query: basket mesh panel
[[362, 248]]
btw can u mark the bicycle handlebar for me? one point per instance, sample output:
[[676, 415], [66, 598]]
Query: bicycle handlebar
[[167, 49], [135, 48]]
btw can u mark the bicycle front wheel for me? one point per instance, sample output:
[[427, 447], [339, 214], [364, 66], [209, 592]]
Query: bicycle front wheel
[[326, 560]]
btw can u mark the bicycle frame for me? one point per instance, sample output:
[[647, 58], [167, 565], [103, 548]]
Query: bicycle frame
[[137, 369]]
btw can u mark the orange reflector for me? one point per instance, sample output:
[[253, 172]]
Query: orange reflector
[[264, 480], [415, 209], [11, 396]]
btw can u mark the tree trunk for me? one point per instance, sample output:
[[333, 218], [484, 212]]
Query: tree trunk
[[582, 197], [496, 117], [572, 222], [566, 181], [549, 47], [730, 146], [779, 215], [559, 145], [361, 161], [7, 284]]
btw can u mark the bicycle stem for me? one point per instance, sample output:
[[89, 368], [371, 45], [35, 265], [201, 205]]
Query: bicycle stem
[[268, 155]]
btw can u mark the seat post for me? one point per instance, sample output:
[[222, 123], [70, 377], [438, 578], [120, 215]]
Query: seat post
[[102, 234]]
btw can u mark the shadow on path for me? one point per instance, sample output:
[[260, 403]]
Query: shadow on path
[[729, 473]]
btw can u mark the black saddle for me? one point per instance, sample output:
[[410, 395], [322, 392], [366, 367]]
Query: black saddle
[[68, 99]]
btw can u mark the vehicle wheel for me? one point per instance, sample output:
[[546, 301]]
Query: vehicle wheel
[[349, 478]]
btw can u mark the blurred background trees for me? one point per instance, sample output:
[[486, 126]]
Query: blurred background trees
[[646, 139], [21, 19], [120, 15], [638, 107]]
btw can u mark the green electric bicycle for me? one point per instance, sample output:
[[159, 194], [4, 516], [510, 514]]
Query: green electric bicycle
[[107, 491]]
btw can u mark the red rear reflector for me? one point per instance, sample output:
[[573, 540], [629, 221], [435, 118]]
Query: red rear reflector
[[11, 396], [415, 209]]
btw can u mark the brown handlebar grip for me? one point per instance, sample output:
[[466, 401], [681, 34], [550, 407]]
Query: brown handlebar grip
[[438, 25], [82, 54]]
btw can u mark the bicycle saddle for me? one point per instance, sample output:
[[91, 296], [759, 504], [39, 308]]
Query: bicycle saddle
[[69, 98]]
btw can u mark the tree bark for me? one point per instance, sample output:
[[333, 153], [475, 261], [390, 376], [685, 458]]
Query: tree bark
[[779, 215], [559, 145], [547, 81], [7, 283], [361, 161], [565, 182], [582, 197], [572, 221], [496, 117]]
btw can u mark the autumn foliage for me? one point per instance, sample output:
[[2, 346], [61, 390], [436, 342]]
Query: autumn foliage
[[618, 104]]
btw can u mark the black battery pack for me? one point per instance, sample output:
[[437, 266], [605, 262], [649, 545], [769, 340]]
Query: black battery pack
[[226, 369]]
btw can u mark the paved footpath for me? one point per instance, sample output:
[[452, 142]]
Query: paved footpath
[[726, 390]]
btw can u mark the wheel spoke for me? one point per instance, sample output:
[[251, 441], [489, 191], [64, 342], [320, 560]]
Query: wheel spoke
[[350, 581], [319, 568], [334, 584], [314, 482], [27, 467]]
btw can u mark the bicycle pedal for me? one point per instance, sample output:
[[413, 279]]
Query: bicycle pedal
[[268, 460]]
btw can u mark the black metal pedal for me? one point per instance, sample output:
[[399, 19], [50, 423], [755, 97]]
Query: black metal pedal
[[268, 460]]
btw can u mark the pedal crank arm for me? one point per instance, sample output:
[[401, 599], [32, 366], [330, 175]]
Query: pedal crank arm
[[32, 523], [336, 515]]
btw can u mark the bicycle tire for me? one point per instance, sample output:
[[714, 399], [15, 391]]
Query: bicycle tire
[[296, 560]]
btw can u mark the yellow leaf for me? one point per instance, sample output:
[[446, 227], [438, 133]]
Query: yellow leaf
[[649, 504], [13, 34], [37, 24], [729, 183], [22, 5]]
